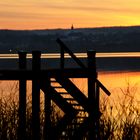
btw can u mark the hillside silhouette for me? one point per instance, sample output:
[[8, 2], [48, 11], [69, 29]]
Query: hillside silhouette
[[109, 39], [113, 39]]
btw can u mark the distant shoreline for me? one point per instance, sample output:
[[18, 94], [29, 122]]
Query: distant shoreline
[[76, 28]]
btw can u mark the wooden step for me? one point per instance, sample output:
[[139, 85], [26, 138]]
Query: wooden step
[[74, 92], [57, 86], [79, 117], [76, 104], [63, 93], [80, 110], [53, 81], [70, 99]]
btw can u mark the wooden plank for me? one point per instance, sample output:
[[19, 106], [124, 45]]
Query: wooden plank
[[42, 74]]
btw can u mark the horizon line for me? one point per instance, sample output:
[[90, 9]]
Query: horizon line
[[75, 28]]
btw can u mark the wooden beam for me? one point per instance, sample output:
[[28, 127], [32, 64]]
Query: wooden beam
[[22, 99], [42, 74], [103, 88], [66, 49], [92, 75], [36, 96]]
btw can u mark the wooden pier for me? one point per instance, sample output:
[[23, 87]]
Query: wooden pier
[[81, 112]]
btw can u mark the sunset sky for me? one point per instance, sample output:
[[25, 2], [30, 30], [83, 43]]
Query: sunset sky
[[46, 14]]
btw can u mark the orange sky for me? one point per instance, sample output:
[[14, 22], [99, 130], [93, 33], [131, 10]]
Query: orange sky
[[44, 14]]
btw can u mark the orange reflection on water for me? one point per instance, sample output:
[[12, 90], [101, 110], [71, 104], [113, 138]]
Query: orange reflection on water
[[119, 83], [115, 82]]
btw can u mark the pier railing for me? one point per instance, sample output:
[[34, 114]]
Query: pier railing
[[64, 49]]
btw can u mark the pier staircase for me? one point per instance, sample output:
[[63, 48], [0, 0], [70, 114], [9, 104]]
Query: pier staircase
[[77, 120], [73, 102]]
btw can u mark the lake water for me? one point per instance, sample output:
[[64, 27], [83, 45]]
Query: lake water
[[79, 55], [121, 83], [113, 81], [104, 61], [116, 81]]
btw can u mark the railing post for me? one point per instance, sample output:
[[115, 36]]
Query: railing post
[[92, 75], [22, 98], [62, 58], [97, 111], [47, 126], [36, 96]]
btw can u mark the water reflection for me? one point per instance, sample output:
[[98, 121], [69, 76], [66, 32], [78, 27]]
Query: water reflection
[[79, 55], [120, 83]]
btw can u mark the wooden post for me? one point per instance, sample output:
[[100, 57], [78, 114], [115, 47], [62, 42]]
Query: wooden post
[[92, 75], [97, 115], [62, 59], [47, 128], [36, 96], [22, 98]]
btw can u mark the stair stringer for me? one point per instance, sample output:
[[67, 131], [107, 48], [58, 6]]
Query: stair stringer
[[69, 111]]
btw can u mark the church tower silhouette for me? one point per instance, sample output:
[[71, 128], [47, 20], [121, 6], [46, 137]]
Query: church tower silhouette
[[72, 27]]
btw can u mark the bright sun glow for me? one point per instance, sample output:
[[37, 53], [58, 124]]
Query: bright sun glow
[[37, 14]]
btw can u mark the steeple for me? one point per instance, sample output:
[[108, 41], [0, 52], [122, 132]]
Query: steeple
[[72, 27]]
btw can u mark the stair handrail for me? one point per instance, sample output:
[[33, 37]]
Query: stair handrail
[[64, 49], [103, 87]]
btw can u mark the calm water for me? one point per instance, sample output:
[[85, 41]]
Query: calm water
[[79, 55], [118, 83], [115, 81], [111, 80], [105, 61]]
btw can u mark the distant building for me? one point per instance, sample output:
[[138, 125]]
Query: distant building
[[72, 27]]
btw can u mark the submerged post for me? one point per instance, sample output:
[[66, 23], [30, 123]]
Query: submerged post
[[36, 96], [22, 98], [92, 75]]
